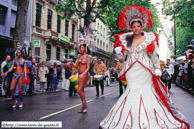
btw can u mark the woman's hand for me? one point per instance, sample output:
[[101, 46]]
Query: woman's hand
[[66, 64], [118, 50], [158, 72], [5, 74]]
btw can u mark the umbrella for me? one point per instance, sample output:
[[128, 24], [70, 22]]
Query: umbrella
[[189, 50], [192, 40], [51, 62], [174, 63], [181, 57], [190, 46], [36, 57]]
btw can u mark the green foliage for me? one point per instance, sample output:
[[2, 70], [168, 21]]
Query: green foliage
[[108, 11], [183, 11], [110, 14], [108, 53]]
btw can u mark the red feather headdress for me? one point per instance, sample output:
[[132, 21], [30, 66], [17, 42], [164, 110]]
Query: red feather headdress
[[135, 13]]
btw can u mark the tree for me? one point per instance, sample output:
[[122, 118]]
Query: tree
[[86, 9], [21, 21], [107, 11], [182, 11]]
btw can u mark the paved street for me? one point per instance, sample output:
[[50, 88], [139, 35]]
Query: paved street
[[58, 106]]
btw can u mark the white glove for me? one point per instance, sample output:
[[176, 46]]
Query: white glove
[[118, 50], [158, 72]]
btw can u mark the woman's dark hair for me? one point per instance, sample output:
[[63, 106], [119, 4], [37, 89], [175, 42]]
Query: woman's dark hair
[[87, 49], [129, 38], [134, 22]]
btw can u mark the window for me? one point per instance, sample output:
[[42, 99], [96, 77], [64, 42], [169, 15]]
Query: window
[[14, 2], [12, 31], [66, 53], [48, 52], [58, 53], [98, 43], [98, 28], [3, 12], [59, 2], [37, 51], [58, 23], [104, 32], [49, 20], [66, 27], [73, 31], [101, 30], [38, 14]]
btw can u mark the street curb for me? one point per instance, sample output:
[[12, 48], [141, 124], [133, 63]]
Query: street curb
[[188, 91]]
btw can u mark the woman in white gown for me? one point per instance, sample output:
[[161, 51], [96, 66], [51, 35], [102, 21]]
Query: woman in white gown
[[145, 104]]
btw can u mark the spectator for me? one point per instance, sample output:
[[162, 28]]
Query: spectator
[[33, 76], [190, 77], [182, 72], [67, 75], [170, 71], [42, 76], [49, 78], [3, 70], [54, 77]]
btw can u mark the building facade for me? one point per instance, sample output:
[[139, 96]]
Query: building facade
[[102, 41], [8, 11], [52, 37]]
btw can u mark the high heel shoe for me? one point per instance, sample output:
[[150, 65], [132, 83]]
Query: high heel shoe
[[84, 109], [21, 104], [14, 104]]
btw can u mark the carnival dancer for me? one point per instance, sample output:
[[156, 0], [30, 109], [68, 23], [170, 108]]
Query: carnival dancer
[[119, 67], [19, 75], [99, 69], [145, 104], [83, 65]]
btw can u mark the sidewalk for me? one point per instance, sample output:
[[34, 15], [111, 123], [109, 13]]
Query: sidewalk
[[186, 89]]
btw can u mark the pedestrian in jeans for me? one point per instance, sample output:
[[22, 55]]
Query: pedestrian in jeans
[[54, 79], [33, 76], [42, 76], [99, 69], [170, 71]]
